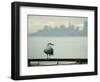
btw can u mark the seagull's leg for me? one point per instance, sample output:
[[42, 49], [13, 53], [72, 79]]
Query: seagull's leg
[[47, 56]]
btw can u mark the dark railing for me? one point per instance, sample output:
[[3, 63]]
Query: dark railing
[[79, 61]]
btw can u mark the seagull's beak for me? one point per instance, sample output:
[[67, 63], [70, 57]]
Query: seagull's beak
[[50, 44]]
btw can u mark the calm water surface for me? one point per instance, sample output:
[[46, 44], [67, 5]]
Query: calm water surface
[[64, 47]]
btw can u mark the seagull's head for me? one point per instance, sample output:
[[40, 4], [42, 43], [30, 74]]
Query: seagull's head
[[51, 44]]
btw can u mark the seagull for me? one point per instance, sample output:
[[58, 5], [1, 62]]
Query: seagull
[[49, 51]]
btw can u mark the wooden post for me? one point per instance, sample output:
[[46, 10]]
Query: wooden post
[[57, 62], [38, 62]]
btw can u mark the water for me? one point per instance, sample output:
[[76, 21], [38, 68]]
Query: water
[[64, 47]]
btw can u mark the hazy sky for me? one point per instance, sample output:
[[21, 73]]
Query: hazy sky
[[37, 22]]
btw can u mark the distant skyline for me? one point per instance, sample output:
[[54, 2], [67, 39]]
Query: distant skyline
[[38, 22], [62, 30]]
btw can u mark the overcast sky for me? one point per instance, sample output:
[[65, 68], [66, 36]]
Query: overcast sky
[[37, 22]]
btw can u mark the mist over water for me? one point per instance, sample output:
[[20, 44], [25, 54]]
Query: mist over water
[[64, 47]]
